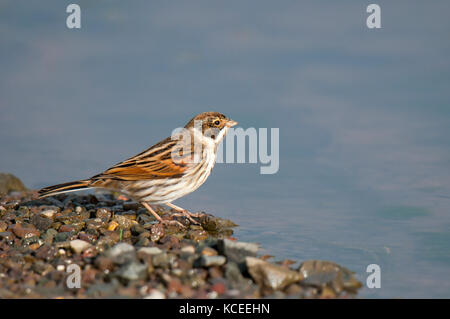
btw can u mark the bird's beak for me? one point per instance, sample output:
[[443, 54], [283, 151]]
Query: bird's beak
[[231, 123]]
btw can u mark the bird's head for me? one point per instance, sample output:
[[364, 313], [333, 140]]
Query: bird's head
[[212, 125]]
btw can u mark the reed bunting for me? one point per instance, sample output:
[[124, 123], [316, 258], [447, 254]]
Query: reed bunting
[[168, 170]]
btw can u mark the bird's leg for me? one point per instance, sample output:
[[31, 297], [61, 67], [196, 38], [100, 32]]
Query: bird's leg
[[184, 213], [159, 219]]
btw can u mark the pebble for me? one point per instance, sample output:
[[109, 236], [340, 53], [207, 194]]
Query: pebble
[[156, 231], [6, 235], [219, 288], [137, 229], [162, 260], [122, 253], [62, 237], [132, 271], [104, 263], [208, 251], [329, 274], [188, 249], [3, 226], [95, 223], [150, 250], [46, 252], [155, 294], [41, 223], [270, 275], [209, 261], [49, 213], [103, 213], [66, 229], [113, 225], [90, 238], [119, 249], [233, 274], [197, 235], [25, 230], [236, 251], [124, 222], [78, 246]]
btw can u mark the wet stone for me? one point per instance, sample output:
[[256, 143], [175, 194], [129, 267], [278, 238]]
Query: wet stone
[[64, 236], [162, 260], [155, 294], [42, 268], [197, 235], [8, 236], [236, 251], [55, 202], [23, 211], [3, 226], [269, 275], [130, 214], [188, 249], [112, 225], [294, 289], [103, 213], [30, 241], [66, 229], [25, 230], [211, 223], [90, 238], [137, 229], [328, 274], [78, 246], [132, 271], [145, 219], [215, 272], [49, 212], [41, 223], [78, 226], [150, 250], [143, 242], [124, 222], [209, 261], [156, 231], [89, 252], [219, 288], [126, 234], [122, 253], [94, 223], [131, 206], [102, 290], [104, 263], [233, 274], [208, 251], [62, 245]]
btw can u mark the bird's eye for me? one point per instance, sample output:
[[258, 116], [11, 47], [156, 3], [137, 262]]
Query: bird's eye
[[217, 122]]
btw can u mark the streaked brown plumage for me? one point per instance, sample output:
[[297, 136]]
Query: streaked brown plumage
[[164, 172]]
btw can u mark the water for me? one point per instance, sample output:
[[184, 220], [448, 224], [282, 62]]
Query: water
[[363, 115]]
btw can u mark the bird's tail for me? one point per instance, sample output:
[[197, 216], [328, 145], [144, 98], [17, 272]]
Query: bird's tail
[[64, 188]]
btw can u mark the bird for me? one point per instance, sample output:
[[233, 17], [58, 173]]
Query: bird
[[166, 171]]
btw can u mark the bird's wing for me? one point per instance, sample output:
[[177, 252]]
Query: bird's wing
[[154, 163]]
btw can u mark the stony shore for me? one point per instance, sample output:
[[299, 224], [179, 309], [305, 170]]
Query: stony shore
[[123, 252]]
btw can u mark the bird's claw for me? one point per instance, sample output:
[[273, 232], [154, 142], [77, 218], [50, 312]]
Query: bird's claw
[[188, 215], [172, 223]]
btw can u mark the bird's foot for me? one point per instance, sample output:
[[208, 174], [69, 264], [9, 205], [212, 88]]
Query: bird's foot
[[172, 223], [159, 219], [188, 215]]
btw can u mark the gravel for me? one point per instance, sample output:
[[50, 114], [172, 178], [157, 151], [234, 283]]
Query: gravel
[[122, 252]]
